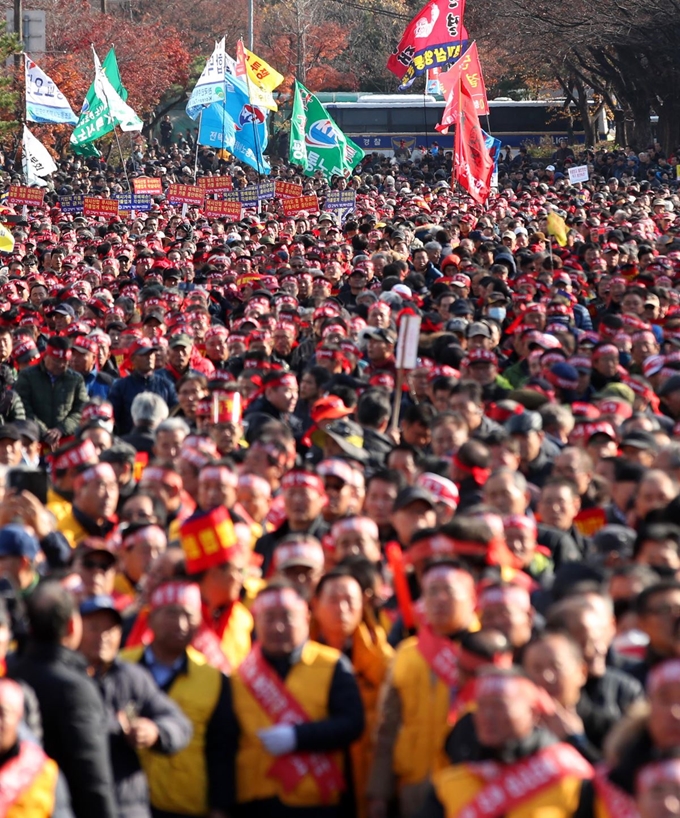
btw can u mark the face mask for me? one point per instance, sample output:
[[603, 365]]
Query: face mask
[[497, 313]]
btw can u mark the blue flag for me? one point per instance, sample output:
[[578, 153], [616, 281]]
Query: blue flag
[[493, 145], [229, 125]]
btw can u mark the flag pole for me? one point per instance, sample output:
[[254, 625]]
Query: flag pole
[[120, 151], [200, 122], [256, 138]]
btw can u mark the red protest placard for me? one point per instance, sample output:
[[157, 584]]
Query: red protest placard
[[216, 210], [308, 203], [215, 184], [288, 190], [146, 184], [92, 206], [185, 194], [22, 195]]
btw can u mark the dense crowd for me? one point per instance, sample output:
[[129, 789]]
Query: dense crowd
[[250, 567]]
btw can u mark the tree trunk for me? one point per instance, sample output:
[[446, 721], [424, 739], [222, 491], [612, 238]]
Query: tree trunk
[[668, 129]]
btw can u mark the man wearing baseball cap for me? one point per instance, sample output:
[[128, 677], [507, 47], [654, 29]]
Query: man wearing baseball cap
[[142, 378], [84, 361], [53, 395]]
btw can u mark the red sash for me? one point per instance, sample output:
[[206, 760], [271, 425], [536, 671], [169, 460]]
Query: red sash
[[277, 702], [208, 643], [509, 786], [18, 774], [441, 654], [618, 803]]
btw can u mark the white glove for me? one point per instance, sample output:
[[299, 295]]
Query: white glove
[[278, 740]]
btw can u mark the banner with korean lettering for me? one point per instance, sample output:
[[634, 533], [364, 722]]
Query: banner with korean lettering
[[472, 162], [185, 194], [310, 204], [215, 184], [215, 209], [341, 200], [25, 196], [147, 184], [288, 190], [94, 206], [140, 202], [436, 37], [72, 203], [466, 72]]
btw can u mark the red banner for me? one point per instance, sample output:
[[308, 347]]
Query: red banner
[[92, 206], [147, 184], [467, 72], [434, 38], [215, 209], [288, 190], [472, 162], [185, 194], [215, 184], [22, 195], [308, 203]]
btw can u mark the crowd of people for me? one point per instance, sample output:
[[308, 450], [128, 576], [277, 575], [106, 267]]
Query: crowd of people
[[249, 567]]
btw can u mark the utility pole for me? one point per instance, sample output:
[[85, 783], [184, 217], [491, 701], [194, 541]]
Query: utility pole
[[19, 30], [251, 24]]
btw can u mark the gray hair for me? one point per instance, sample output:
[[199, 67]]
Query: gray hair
[[433, 246], [149, 408], [173, 425], [558, 416], [517, 477]]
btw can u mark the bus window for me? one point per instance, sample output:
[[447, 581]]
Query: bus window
[[408, 120], [361, 120]]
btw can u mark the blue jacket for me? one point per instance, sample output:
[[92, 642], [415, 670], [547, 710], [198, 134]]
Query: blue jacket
[[98, 384], [125, 390]]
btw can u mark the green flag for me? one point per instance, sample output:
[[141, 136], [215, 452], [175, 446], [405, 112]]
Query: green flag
[[316, 142], [95, 119]]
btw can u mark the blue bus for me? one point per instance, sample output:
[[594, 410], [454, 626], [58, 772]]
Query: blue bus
[[379, 122]]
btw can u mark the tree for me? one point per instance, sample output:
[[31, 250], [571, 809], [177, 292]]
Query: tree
[[10, 98]]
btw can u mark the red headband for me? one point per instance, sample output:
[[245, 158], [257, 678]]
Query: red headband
[[187, 595], [302, 479], [102, 471], [280, 598]]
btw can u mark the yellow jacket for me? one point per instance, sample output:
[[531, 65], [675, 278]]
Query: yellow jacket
[[37, 799], [179, 783], [371, 658], [57, 505], [71, 528], [235, 638], [456, 787], [425, 699], [309, 681]]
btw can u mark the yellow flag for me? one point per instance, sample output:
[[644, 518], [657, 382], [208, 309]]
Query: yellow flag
[[6, 240], [261, 74], [557, 228]]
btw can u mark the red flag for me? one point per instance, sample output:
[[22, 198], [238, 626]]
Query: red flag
[[240, 68], [434, 38], [467, 72], [472, 162]]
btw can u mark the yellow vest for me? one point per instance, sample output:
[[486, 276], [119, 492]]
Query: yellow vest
[[456, 787], [71, 528], [57, 505], [37, 800], [179, 783], [236, 642], [309, 681], [123, 586], [371, 657], [425, 700]]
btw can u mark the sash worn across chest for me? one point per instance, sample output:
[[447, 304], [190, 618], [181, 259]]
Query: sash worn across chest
[[508, 786], [441, 654], [17, 775], [275, 699]]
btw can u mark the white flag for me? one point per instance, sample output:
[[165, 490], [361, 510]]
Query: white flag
[[119, 111], [210, 85], [36, 159], [44, 101]]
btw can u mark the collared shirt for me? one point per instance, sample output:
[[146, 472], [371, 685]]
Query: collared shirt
[[161, 673]]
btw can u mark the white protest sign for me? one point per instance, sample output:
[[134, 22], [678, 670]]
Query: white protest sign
[[407, 343], [578, 174]]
